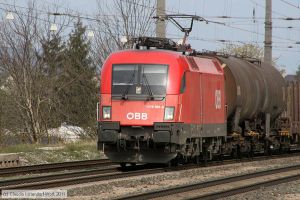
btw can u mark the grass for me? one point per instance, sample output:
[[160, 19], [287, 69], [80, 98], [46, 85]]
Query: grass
[[32, 154], [81, 145], [19, 148]]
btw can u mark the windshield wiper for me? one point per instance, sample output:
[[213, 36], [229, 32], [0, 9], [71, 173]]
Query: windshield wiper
[[148, 87], [124, 95]]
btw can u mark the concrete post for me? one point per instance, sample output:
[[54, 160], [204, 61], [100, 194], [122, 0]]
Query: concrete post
[[161, 25], [268, 33]]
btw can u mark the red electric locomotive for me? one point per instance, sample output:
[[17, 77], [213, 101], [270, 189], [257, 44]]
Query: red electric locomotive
[[161, 105]]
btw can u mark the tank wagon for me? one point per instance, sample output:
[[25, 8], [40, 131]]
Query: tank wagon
[[168, 105], [291, 115]]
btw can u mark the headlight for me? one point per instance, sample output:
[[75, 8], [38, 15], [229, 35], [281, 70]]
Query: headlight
[[106, 112], [169, 113]]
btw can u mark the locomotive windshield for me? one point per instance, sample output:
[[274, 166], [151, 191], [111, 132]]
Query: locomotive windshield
[[139, 81]]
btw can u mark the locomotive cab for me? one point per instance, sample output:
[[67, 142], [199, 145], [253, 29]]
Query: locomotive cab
[[139, 105], [152, 106]]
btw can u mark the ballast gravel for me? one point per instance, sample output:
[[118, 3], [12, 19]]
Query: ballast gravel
[[118, 188], [287, 191]]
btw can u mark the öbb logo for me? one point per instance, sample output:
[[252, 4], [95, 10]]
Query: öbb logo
[[218, 102], [137, 116]]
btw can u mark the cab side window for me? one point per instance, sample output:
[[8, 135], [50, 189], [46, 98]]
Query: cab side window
[[183, 84]]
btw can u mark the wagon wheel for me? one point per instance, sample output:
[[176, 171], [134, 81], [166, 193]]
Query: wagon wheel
[[123, 165], [133, 164]]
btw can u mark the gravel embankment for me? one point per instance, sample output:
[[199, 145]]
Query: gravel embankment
[[287, 191], [125, 186]]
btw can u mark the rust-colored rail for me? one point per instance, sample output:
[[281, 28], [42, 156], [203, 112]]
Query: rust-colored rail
[[222, 194], [85, 176], [32, 169]]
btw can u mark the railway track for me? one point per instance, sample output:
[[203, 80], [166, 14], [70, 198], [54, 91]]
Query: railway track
[[53, 167], [193, 191], [248, 188], [64, 179], [80, 177]]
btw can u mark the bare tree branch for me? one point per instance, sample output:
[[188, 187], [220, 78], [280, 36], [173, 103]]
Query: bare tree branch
[[134, 19]]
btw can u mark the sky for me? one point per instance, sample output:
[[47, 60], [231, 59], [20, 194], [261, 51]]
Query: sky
[[245, 25]]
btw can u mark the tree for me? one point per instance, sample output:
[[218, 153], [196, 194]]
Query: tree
[[24, 69], [78, 91], [132, 18], [251, 51], [246, 50], [26, 89], [54, 56], [298, 72]]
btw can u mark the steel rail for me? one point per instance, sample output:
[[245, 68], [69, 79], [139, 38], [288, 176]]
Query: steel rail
[[72, 165], [12, 171], [54, 177], [247, 188], [59, 180], [72, 178], [207, 184]]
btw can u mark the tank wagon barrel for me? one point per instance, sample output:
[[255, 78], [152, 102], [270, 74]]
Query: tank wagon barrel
[[252, 89]]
